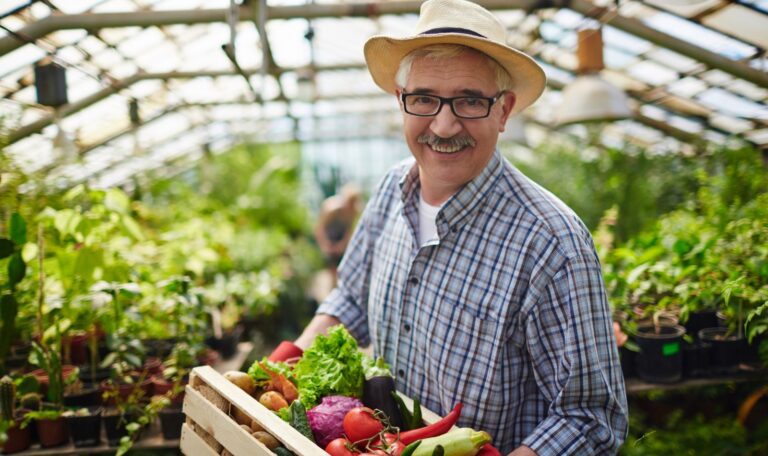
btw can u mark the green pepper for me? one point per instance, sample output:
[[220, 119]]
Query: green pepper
[[408, 451], [410, 420]]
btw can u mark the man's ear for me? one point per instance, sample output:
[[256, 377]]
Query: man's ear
[[506, 108], [399, 92]]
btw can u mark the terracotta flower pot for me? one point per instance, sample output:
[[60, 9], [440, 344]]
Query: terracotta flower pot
[[18, 439], [52, 432], [42, 376]]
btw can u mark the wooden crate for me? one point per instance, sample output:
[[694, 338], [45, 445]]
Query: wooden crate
[[209, 428]]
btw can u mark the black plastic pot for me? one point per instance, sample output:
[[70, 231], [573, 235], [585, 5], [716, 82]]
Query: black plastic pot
[[90, 396], [660, 359], [727, 350], [696, 359], [114, 425], [86, 430], [171, 419], [160, 348], [700, 320], [227, 344], [93, 377], [627, 358]]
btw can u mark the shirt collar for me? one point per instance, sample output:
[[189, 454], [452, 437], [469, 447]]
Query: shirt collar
[[462, 202]]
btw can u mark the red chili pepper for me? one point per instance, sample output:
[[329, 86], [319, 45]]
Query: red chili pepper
[[434, 429], [488, 450], [397, 445]]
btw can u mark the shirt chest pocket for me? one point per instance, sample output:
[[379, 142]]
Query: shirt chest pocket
[[465, 339]]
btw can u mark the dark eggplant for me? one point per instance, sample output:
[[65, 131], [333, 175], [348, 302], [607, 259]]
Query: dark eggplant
[[377, 394]]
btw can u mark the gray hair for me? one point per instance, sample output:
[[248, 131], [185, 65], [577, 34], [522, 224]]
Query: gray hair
[[446, 51]]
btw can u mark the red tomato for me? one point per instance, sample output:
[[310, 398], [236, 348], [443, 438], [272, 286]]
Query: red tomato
[[340, 447], [360, 424]]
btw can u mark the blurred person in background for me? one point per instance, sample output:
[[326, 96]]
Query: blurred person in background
[[474, 283], [335, 224]]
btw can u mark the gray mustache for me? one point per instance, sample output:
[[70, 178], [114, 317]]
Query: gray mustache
[[456, 141]]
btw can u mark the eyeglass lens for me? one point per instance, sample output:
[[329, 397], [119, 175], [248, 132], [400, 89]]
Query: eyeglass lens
[[427, 105]]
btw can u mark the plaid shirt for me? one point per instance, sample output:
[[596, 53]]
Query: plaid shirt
[[506, 313]]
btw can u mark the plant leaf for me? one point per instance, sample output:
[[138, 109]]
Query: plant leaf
[[18, 229], [16, 269], [6, 247]]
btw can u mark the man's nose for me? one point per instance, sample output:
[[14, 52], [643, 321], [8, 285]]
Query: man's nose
[[445, 124]]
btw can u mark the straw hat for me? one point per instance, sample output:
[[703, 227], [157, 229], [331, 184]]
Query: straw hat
[[457, 22]]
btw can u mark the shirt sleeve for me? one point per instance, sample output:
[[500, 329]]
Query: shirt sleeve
[[576, 365]]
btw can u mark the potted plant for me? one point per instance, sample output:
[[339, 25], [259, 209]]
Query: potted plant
[[51, 427], [15, 435], [84, 426], [660, 359]]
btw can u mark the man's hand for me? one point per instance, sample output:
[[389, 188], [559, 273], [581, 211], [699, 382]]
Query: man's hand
[[523, 451], [319, 325]]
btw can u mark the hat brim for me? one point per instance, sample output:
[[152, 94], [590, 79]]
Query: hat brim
[[383, 55]]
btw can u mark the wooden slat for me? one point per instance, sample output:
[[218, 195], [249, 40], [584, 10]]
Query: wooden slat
[[221, 426], [192, 444], [281, 430]]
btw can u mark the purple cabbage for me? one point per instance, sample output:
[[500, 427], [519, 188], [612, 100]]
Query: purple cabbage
[[327, 418]]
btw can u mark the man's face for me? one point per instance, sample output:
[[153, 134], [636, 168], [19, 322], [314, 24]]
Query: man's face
[[445, 166]]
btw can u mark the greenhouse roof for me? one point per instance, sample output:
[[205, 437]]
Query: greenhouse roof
[[693, 69]]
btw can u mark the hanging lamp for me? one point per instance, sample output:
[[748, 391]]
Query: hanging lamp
[[590, 98]]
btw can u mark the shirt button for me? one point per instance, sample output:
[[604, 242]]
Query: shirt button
[[401, 372], [454, 229], [414, 280], [407, 327]]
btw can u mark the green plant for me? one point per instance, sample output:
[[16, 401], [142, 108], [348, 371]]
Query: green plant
[[48, 360], [7, 398], [11, 248]]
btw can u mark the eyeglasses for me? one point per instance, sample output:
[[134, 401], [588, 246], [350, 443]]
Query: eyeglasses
[[418, 104]]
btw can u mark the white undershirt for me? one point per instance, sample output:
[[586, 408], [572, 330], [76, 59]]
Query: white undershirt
[[427, 225]]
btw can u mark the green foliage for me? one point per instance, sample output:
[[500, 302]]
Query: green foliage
[[722, 436]]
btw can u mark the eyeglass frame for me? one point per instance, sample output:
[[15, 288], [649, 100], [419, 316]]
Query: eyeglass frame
[[443, 100]]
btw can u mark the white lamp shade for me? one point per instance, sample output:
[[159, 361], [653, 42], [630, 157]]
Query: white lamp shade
[[590, 98]]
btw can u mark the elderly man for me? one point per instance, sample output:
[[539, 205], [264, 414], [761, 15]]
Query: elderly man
[[474, 283]]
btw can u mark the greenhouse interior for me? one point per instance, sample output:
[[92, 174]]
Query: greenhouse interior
[[180, 181]]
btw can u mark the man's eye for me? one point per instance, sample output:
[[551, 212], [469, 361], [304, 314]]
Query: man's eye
[[472, 102], [422, 100]]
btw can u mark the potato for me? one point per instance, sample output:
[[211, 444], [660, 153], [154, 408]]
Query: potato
[[256, 426], [267, 439], [240, 416], [273, 400], [225, 452], [244, 381], [246, 428]]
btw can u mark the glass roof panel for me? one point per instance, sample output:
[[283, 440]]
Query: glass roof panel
[[652, 73], [685, 8], [727, 102], [294, 49], [615, 38], [749, 90], [740, 22], [339, 40], [687, 87], [23, 57], [730, 124], [701, 36]]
